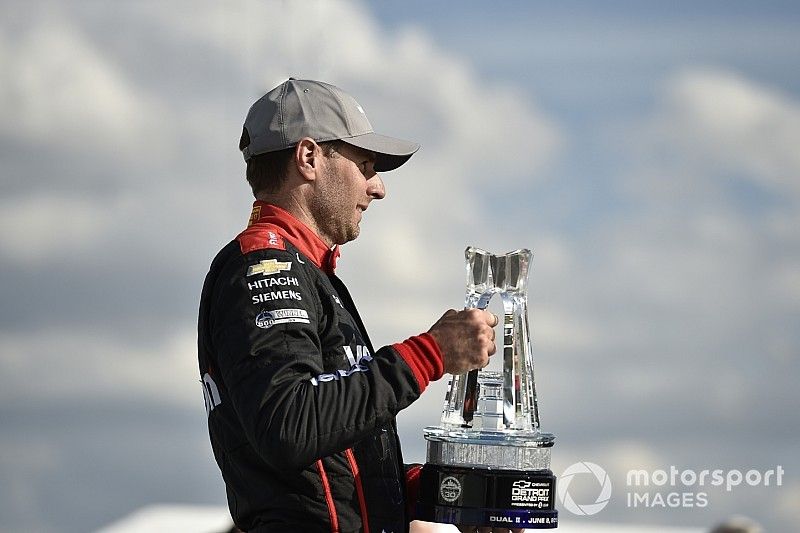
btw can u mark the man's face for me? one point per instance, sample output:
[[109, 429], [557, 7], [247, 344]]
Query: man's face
[[346, 184]]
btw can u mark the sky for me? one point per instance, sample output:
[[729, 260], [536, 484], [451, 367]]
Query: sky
[[644, 151]]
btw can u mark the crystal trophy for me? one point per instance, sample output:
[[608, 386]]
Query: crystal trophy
[[488, 463]]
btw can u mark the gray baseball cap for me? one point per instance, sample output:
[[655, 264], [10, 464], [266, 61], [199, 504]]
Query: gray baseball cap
[[306, 108]]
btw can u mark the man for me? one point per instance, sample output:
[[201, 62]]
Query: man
[[301, 407]]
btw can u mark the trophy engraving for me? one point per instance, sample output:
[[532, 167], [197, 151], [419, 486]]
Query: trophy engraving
[[488, 462]]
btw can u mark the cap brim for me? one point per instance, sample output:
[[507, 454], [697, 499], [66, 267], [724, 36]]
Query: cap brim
[[390, 153]]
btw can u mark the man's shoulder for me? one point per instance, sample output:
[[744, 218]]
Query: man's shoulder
[[264, 248], [259, 253], [261, 236], [256, 243]]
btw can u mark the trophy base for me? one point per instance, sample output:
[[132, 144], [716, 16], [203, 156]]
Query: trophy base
[[494, 450], [485, 497]]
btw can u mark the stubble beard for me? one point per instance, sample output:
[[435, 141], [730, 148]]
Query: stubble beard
[[326, 206]]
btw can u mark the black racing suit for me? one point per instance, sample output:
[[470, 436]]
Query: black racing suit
[[301, 408]]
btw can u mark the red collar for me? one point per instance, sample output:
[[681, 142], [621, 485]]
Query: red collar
[[297, 233]]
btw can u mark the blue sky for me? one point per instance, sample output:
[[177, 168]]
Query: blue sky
[[645, 152]]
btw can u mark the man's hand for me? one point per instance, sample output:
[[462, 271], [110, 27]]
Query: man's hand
[[466, 339]]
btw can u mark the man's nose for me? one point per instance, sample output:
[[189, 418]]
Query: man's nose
[[375, 188]]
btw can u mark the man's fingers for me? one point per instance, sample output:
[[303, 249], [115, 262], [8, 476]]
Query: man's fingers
[[493, 349], [466, 338]]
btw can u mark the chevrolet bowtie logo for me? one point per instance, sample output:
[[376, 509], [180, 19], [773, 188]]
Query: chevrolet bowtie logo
[[268, 267]]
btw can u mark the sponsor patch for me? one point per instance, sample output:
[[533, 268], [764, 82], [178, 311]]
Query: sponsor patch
[[268, 267], [267, 319], [266, 283], [275, 296]]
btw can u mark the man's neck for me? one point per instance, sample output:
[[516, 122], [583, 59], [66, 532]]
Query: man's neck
[[297, 208]]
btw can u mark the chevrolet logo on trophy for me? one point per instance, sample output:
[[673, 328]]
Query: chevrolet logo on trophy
[[488, 462]]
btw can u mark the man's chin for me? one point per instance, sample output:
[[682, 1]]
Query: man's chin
[[349, 236]]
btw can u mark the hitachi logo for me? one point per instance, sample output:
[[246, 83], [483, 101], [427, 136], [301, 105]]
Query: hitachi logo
[[272, 282]]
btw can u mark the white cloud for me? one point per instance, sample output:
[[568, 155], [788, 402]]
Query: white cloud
[[35, 228], [625, 455], [62, 365], [556, 331], [697, 244], [62, 92], [727, 121], [786, 505]]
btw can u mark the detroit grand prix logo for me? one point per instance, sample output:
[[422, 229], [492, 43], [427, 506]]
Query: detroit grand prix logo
[[585, 509]]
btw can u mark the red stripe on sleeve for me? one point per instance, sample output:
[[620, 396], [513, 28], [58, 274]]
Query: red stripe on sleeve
[[423, 355]]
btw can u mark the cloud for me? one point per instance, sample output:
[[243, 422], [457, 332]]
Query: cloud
[[724, 119], [61, 91], [62, 365], [786, 503], [698, 282], [719, 138], [37, 228], [706, 242]]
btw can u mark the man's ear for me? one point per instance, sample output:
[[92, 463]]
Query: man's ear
[[307, 155]]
